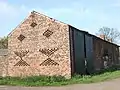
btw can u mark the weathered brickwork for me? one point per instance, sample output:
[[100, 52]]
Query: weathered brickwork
[[3, 65], [39, 46]]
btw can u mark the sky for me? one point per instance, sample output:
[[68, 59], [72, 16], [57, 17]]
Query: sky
[[88, 15]]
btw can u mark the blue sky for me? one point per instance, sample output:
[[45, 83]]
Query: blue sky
[[88, 15]]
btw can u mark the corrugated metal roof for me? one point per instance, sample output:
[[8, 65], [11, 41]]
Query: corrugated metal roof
[[93, 35], [3, 52]]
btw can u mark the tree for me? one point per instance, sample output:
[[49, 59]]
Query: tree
[[4, 43], [110, 33]]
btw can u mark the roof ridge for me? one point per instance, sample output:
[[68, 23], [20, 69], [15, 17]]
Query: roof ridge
[[38, 13]]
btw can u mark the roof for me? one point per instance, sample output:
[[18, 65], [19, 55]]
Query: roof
[[93, 35], [37, 13], [3, 52], [63, 23]]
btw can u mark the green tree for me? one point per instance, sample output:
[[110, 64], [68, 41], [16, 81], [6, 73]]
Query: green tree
[[110, 33], [4, 43]]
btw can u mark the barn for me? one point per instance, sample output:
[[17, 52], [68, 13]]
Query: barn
[[41, 45]]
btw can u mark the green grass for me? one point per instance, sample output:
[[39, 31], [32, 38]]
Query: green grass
[[58, 80]]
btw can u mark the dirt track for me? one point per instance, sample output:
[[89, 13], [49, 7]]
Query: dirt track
[[109, 85]]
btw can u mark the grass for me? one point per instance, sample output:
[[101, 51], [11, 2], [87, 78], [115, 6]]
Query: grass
[[59, 80]]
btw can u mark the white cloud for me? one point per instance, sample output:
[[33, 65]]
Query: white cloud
[[63, 11], [5, 8], [8, 10], [10, 16], [80, 17], [76, 14], [11, 11]]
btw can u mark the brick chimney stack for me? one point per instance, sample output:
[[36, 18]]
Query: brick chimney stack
[[102, 37]]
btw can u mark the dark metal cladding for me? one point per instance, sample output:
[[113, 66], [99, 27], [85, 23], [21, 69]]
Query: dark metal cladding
[[98, 52], [79, 53], [72, 56], [106, 54], [90, 53]]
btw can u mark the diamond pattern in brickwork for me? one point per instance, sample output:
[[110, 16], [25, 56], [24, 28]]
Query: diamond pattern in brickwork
[[21, 37], [33, 24], [47, 33]]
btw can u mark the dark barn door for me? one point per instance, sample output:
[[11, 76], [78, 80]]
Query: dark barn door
[[89, 54], [79, 52]]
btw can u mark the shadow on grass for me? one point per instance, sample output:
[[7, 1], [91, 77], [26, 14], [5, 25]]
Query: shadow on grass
[[105, 74], [110, 69]]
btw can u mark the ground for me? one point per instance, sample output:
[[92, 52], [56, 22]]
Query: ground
[[108, 85]]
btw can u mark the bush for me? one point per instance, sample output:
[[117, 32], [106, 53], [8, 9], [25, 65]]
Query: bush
[[44, 79], [58, 80]]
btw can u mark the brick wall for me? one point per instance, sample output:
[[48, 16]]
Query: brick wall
[[3, 65], [39, 46]]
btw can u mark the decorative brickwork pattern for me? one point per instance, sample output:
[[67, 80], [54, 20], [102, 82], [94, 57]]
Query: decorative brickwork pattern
[[21, 63], [48, 52], [21, 54], [47, 33], [33, 24], [21, 37], [49, 56], [49, 62]]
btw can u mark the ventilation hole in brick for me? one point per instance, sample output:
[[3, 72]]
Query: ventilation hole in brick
[[21, 37], [49, 62], [33, 24], [21, 53], [47, 33], [21, 63], [48, 52]]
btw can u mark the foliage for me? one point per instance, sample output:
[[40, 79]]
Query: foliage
[[58, 80], [4, 43], [110, 33]]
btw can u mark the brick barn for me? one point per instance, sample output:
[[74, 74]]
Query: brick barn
[[41, 45]]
